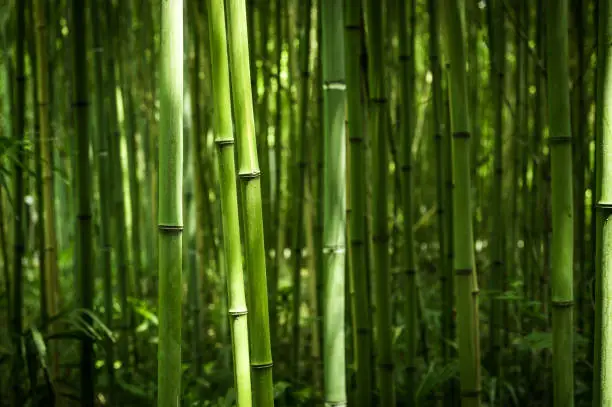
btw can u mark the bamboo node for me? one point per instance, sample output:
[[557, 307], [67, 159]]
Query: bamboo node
[[334, 85], [222, 142], [463, 272], [378, 101], [249, 175], [262, 365], [603, 205], [84, 216], [563, 304], [237, 313], [352, 27], [405, 58], [170, 229], [386, 366]]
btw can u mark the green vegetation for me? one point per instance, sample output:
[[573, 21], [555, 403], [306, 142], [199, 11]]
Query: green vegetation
[[305, 203]]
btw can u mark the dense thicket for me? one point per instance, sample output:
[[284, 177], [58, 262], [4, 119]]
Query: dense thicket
[[298, 203]]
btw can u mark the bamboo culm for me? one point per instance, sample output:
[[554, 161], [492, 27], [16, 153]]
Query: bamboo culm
[[170, 208]]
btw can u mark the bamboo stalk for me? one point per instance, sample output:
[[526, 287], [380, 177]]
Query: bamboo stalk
[[170, 208], [250, 180]]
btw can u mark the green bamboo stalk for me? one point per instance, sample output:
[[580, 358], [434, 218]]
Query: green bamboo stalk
[[604, 33], [602, 393], [464, 267], [83, 186], [224, 140], [249, 174], [103, 185], [407, 94], [170, 209], [562, 205], [46, 149], [334, 202], [380, 234], [318, 204], [362, 329]]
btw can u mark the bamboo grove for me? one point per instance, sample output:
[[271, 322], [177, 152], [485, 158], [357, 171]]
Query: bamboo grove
[[305, 202]]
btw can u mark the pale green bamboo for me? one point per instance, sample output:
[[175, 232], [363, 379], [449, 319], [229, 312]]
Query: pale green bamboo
[[250, 177], [224, 139], [603, 357], [170, 209], [334, 202]]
